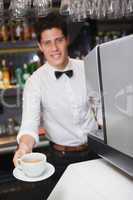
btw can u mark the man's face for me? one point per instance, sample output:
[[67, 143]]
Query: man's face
[[53, 45]]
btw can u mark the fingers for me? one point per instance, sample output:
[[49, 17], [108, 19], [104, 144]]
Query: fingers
[[23, 149], [25, 146], [18, 154]]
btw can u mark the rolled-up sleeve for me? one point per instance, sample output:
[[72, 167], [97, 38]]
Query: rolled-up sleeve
[[31, 110]]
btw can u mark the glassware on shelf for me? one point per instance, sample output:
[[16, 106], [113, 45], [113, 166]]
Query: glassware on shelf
[[1, 11], [114, 9], [130, 8], [127, 8], [1, 8], [79, 10], [19, 8], [42, 7], [65, 7]]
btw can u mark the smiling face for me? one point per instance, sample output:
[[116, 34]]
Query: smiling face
[[53, 45]]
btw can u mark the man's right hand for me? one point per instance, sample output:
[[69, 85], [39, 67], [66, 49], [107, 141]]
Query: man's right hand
[[19, 153], [26, 144]]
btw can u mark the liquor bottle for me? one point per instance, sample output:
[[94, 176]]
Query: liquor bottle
[[11, 126], [1, 77], [27, 35], [12, 31], [19, 31], [26, 73], [1, 37], [32, 67], [19, 80], [5, 74], [33, 33], [4, 33], [12, 73], [99, 38], [115, 35]]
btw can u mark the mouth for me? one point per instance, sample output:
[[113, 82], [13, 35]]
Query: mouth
[[56, 56]]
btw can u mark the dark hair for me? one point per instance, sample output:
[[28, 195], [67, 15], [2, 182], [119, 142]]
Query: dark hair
[[52, 20]]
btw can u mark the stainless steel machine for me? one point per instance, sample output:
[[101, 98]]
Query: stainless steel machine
[[109, 71]]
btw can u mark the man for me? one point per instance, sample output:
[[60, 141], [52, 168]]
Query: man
[[58, 90]]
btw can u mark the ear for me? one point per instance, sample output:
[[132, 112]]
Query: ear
[[40, 47]]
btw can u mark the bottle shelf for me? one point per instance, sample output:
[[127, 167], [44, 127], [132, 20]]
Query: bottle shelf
[[18, 46], [11, 91], [114, 24]]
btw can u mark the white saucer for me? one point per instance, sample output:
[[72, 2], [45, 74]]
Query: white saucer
[[17, 173]]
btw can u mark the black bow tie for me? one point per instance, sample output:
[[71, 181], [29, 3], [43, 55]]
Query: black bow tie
[[69, 73]]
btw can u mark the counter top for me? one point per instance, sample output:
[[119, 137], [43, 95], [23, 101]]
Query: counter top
[[9, 144], [94, 180]]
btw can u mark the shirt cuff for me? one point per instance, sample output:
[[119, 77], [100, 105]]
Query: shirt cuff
[[35, 136]]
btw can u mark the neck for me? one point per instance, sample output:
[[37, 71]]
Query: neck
[[63, 66]]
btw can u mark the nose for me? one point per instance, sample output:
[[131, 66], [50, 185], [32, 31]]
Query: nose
[[54, 46]]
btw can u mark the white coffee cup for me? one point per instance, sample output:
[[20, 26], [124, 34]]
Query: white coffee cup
[[32, 164]]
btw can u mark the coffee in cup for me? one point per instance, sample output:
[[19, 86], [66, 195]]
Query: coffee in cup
[[32, 164]]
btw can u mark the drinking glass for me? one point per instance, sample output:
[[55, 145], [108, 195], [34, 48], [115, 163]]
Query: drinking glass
[[78, 10], [66, 7], [1, 7], [1, 11], [19, 8], [114, 9], [42, 7], [127, 7]]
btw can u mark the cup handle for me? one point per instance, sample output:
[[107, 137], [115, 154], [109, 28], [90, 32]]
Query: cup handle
[[19, 164]]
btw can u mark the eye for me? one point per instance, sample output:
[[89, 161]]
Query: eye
[[60, 39], [46, 43]]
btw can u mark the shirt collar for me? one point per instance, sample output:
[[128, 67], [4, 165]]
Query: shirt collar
[[51, 69]]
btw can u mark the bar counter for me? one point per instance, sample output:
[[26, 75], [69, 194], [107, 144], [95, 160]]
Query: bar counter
[[8, 143], [93, 180]]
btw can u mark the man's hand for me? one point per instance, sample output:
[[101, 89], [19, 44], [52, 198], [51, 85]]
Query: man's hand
[[23, 149], [26, 144]]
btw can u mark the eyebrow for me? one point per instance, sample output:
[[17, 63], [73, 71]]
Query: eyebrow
[[53, 38]]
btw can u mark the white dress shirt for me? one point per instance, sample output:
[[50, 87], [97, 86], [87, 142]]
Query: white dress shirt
[[63, 103]]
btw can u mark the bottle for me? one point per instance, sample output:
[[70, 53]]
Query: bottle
[[115, 35], [33, 33], [99, 38], [4, 33], [12, 31], [19, 31], [26, 73], [19, 80], [32, 67], [106, 37], [1, 37], [1, 77], [5, 74], [27, 35], [12, 73], [10, 126]]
